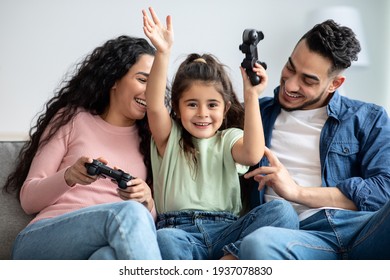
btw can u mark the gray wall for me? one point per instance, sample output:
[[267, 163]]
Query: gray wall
[[42, 39]]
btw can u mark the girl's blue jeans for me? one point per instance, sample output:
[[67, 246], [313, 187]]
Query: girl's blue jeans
[[188, 235], [327, 235], [122, 230]]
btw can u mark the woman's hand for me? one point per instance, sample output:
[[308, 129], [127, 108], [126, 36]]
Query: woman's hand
[[160, 36], [77, 173], [139, 191]]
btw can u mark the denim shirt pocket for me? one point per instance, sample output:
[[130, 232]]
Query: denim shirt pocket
[[343, 157]]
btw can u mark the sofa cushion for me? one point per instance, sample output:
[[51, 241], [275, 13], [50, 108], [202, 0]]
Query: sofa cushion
[[12, 217]]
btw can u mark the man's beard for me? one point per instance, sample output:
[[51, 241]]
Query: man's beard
[[304, 105]]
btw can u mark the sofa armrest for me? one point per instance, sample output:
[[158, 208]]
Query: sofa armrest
[[12, 217]]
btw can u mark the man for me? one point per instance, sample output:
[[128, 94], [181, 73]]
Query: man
[[328, 155]]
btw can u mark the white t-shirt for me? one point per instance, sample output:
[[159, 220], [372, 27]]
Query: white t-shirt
[[295, 142]]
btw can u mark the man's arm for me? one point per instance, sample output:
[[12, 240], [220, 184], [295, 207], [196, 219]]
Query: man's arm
[[277, 177]]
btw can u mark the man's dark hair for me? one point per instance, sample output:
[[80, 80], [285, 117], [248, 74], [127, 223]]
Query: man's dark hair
[[335, 42]]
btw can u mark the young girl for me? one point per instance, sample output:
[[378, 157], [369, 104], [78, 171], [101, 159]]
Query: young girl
[[199, 150]]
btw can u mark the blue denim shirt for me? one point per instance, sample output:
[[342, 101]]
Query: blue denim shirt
[[354, 148]]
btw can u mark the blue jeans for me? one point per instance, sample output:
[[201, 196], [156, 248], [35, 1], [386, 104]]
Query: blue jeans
[[327, 235], [198, 235], [121, 230]]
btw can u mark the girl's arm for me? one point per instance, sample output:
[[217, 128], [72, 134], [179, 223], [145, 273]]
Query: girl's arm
[[250, 149], [158, 115]]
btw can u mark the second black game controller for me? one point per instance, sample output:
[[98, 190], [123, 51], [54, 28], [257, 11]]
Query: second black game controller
[[117, 175], [250, 39]]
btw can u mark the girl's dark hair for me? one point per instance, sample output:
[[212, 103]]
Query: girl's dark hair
[[205, 69], [88, 88], [335, 42]]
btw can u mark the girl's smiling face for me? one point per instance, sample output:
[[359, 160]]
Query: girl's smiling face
[[202, 110]]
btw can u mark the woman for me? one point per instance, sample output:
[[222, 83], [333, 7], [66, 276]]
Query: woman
[[99, 113]]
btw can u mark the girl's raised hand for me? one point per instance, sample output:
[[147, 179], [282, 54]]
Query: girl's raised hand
[[160, 36], [258, 89]]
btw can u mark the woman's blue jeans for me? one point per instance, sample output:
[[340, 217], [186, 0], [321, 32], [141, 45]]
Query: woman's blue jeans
[[327, 235], [188, 235], [122, 230]]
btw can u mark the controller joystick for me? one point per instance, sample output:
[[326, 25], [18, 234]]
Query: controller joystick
[[250, 39], [117, 175]]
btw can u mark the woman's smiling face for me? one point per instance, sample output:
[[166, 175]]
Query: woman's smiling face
[[127, 97]]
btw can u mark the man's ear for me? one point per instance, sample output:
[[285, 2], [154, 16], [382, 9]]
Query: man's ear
[[336, 83]]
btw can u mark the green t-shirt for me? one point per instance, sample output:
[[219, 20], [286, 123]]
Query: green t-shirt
[[214, 186]]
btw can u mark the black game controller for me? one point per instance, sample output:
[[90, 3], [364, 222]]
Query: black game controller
[[250, 39], [119, 176]]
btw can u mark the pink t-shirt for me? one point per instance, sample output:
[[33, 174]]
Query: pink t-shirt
[[45, 191]]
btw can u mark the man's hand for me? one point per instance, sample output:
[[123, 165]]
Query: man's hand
[[275, 176]]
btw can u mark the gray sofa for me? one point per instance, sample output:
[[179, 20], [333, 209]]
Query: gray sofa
[[12, 217]]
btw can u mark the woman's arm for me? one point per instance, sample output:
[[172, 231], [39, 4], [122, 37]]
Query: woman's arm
[[45, 183]]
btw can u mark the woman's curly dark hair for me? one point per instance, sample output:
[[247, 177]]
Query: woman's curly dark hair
[[335, 42], [89, 89]]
